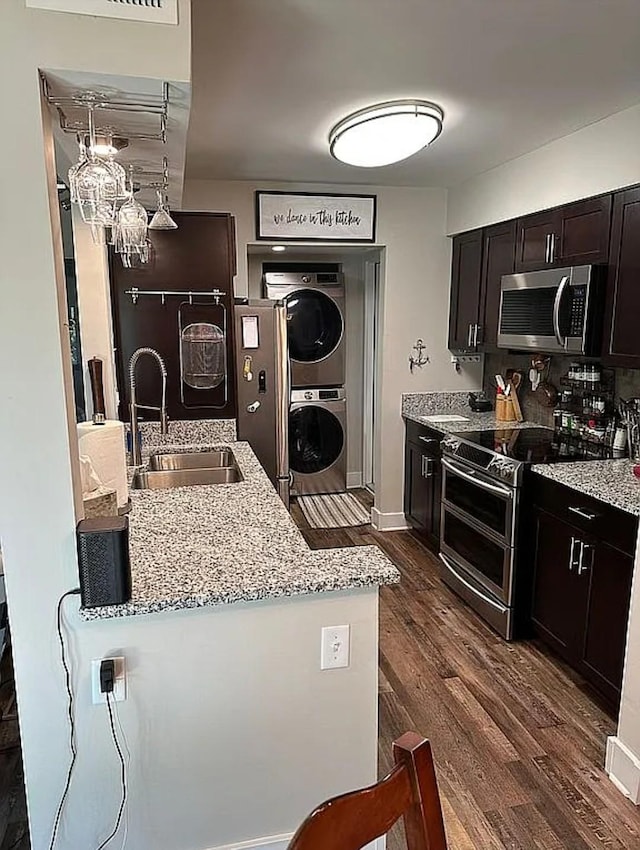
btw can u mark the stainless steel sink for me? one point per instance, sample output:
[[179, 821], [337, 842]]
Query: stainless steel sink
[[221, 458], [167, 479]]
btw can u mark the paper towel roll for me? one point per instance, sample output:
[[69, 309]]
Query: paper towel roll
[[105, 446]]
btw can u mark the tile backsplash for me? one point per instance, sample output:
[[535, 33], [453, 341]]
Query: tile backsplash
[[627, 382]]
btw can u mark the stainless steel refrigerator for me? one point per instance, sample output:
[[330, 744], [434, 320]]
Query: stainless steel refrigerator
[[262, 381]]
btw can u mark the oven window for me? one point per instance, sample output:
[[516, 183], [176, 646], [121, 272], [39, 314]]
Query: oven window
[[487, 557], [483, 506]]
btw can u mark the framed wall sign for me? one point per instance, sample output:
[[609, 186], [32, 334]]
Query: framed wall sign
[[300, 216]]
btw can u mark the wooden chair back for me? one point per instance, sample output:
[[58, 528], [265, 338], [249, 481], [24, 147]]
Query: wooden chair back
[[350, 821]]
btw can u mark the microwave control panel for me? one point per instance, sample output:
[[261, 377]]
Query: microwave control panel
[[578, 309]]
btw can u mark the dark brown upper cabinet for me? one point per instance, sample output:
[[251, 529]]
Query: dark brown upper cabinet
[[498, 259], [572, 235], [621, 336], [584, 231], [534, 240], [465, 304]]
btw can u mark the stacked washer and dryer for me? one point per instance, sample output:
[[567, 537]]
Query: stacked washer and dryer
[[317, 418]]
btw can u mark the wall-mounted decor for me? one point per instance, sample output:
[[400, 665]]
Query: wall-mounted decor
[[299, 216]]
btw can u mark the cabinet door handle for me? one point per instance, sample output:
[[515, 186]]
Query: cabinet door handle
[[552, 248], [547, 241], [582, 567], [477, 334], [428, 440], [470, 335], [581, 512], [574, 540], [427, 471]]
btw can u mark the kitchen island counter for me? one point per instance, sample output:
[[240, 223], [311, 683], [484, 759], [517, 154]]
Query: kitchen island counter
[[219, 544]]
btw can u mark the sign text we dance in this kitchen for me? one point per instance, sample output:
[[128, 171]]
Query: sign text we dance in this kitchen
[[299, 216]]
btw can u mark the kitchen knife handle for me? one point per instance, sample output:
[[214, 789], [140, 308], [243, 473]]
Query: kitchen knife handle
[[97, 390]]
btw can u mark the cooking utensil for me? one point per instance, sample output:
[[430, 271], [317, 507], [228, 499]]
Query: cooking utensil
[[501, 384], [546, 394], [515, 401]]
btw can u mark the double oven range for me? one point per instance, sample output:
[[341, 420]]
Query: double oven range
[[482, 474]]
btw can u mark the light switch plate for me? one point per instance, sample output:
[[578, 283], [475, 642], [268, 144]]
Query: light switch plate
[[334, 651]]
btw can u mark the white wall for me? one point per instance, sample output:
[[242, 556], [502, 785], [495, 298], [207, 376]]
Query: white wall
[[37, 516], [94, 304], [596, 159], [414, 303], [230, 722]]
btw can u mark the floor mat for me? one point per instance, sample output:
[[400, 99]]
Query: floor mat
[[336, 510]]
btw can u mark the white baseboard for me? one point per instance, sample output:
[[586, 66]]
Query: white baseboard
[[269, 842], [354, 479], [388, 522], [623, 768]]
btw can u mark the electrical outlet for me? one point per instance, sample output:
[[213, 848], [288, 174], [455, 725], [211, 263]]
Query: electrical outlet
[[119, 692], [334, 650]]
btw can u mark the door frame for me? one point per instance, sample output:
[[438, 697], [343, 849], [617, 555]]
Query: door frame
[[371, 351]]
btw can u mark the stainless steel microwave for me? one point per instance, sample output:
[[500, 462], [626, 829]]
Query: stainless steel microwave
[[556, 310]]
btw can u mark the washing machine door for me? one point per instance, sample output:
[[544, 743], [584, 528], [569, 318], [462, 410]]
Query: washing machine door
[[316, 439], [314, 324]]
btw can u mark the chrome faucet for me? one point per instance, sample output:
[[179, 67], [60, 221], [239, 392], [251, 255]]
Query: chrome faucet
[[134, 407]]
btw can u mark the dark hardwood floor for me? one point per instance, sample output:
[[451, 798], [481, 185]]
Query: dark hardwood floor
[[517, 737], [14, 831]]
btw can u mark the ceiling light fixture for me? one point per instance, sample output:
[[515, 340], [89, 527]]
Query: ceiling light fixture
[[278, 248], [385, 133]]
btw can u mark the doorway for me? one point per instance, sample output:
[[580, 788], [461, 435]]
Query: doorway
[[359, 266]]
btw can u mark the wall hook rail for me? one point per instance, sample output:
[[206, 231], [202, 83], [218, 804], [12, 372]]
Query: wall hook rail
[[135, 293]]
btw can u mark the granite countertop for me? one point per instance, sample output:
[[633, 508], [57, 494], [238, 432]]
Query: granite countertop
[[474, 422], [610, 481], [418, 406], [214, 545]]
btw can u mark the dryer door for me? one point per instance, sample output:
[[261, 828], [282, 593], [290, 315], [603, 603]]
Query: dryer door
[[314, 325], [316, 439]]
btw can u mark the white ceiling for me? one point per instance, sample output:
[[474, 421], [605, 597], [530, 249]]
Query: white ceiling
[[270, 78]]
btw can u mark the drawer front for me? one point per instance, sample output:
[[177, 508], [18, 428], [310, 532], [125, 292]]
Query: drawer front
[[428, 439], [615, 527]]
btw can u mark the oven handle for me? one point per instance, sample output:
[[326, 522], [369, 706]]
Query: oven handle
[[480, 482], [469, 586], [556, 311]]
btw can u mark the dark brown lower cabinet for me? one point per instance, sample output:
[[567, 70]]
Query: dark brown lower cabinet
[[581, 596], [558, 597], [423, 483]]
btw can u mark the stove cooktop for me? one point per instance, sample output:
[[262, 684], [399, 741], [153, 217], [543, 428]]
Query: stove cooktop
[[504, 453], [527, 445]]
